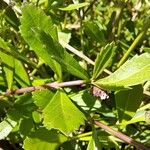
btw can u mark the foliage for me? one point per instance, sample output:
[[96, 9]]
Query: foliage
[[65, 64]]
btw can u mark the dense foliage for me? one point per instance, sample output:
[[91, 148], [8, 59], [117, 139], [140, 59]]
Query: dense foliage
[[74, 74]]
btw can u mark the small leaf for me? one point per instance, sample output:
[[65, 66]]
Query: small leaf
[[37, 117], [128, 101], [147, 117], [103, 60], [64, 35], [6, 126], [10, 15], [23, 107], [69, 64], [86, 101], [8, 63], [44, 139], [74, 6], [62, 114], [94, 32], [133, 72], [21, 74], [42, 98], [8, 66], [25, 126], [139, 116], [94, 143], [10, 50]]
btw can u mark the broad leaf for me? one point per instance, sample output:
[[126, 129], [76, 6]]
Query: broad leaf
[[103, 60], [127, 102], [45, 44], [44, 139], [33, 23], [62, 114], [68, 63], [6, 126], [74, 6], [133, 72], [21, 74]]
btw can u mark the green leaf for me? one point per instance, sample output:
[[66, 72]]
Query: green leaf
[[8, 66], [94, 143], [10, 50], [147, 117], [94, 32], [128, 101], [6, 126], [58, 53], [25, 126], [23, 107], [46, 45], [139, 116], [10, 15], [62, 114], [8, 63], [69, 64], [21, 74], [42, 98], [74, 6], [37, 117], [64, 35], [33, 24], [133, 72], [86, 101], [44, 139], [103, 60]]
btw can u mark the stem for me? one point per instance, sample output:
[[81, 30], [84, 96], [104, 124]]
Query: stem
[[121, 136], [76, 52], [131, 48], [134, 44], [90, 6], [37, 3], [84, 134], [37, 67], [53, 85]]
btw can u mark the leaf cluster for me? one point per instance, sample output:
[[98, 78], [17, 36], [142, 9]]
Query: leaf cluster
[[101, 48]]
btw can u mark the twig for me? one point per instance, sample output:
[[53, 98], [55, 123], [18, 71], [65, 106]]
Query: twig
[[90, 6], [53, 85], [75, 51], [135, 43], [80, 54], [121, 136]]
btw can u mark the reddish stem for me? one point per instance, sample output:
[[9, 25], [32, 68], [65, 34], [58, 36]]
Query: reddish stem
[[53, 85], [121, 136]]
